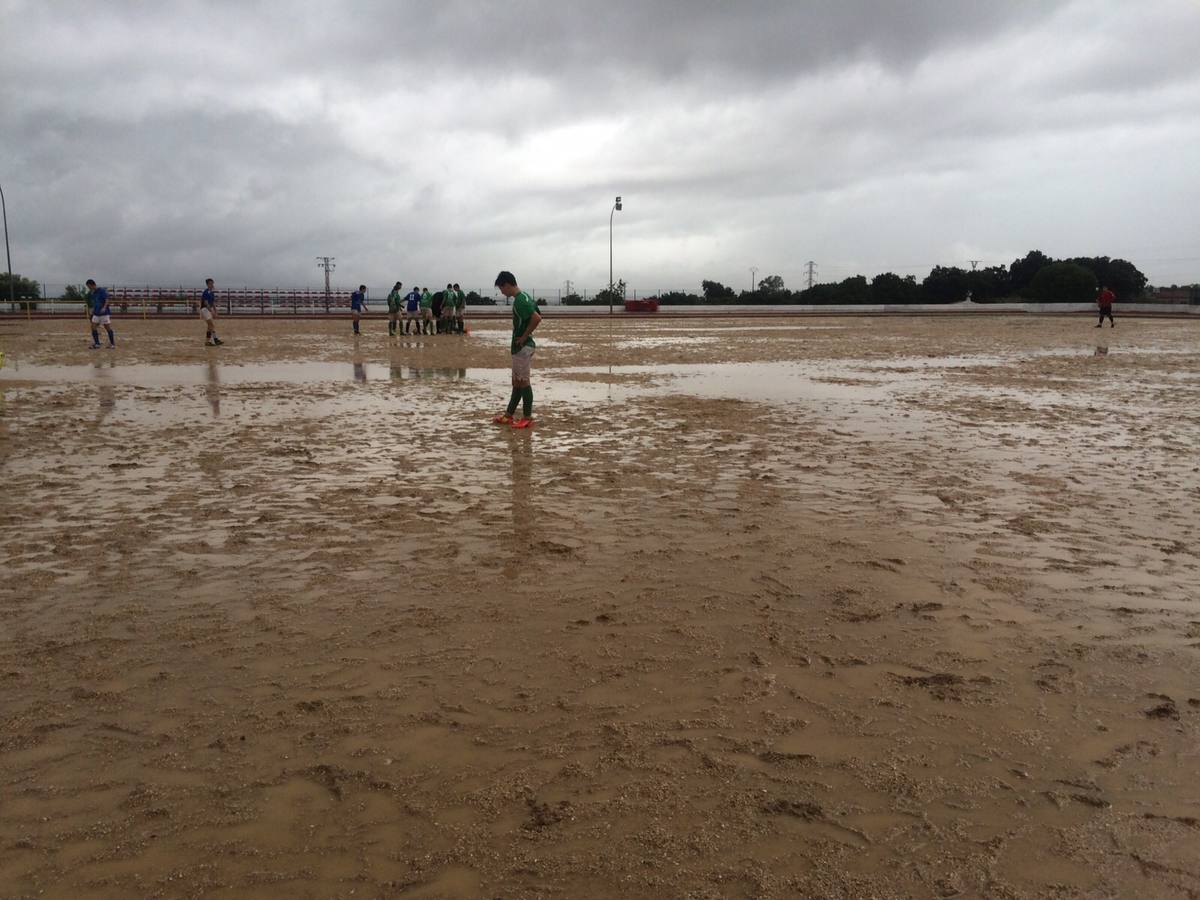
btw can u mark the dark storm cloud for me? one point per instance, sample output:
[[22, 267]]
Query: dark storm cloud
[[155, 139]]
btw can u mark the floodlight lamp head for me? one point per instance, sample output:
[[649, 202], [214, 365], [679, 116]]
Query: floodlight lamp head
[[618, 203]]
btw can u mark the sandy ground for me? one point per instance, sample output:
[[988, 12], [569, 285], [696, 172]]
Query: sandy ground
[[803, 607]]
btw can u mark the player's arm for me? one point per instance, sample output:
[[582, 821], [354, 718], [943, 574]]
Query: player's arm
[[534, 321]]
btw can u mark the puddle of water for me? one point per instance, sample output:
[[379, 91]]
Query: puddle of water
[[504, 338], [767, 382], [665, 341], [113, 372]]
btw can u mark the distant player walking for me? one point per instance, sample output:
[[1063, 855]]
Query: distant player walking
[[101, 315], [358, 305], [1104, 300], [525, 319], [395, 301], [208, 312]]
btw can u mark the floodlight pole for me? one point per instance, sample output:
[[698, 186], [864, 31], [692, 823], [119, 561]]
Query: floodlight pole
[[616, 206], [11, 293], [753, 273]]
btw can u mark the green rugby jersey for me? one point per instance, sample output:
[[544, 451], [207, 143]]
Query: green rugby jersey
[[523, 309]]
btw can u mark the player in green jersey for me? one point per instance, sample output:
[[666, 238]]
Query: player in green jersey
[[460, 301], [395, 301], [426, 312], [525, 319], [446, 319]]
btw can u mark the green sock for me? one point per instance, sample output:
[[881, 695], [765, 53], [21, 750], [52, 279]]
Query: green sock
[[512, 402], [527, 404]]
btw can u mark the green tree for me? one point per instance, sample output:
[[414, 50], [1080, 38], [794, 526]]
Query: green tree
[[615, 296], [1063, 282], [819, 295], [772, 284], [24, 290], [1126, 281], [75, 293], [715, 292], [988, 284], [888, 287], [1022, 271], [678, 298], [945, 284], [853, 290]]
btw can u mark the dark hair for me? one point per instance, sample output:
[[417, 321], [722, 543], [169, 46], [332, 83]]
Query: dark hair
[[456, 285], [398, 286], [362, 287], [207, 280], [448, 284], [91, 281], [506, 277]]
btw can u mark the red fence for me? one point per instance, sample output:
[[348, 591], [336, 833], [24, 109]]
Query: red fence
[[231, 300]]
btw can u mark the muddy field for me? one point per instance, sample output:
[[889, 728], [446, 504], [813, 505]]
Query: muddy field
[[866, 607]]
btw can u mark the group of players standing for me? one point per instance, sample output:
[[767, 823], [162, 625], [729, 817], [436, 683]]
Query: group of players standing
[[423, 312]]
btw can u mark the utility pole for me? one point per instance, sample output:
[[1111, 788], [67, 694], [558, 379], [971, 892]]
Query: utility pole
[[12, 303], [753, 273], [569, 291], [974, 264], [326, 263], [811, 270]]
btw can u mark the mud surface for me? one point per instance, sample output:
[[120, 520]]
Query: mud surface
[[848, 608]]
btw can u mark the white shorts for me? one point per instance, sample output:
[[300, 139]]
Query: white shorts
[[427, 313], [522, 362], [101, 320], [206, 314]]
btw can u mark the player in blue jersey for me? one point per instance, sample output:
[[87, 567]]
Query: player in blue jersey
[[208, 312], [358, 305], [101, 315], [412, 310]]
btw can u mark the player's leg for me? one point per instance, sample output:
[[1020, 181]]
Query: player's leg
[[95, 333], [522, 385]]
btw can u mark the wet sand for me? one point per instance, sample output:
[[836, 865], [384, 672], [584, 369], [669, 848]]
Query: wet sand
[[822, 607]]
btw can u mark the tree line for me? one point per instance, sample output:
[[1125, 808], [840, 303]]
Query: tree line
[[1035, 277]]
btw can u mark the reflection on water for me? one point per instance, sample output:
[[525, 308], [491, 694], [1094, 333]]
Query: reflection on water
[[522, 507], [228, 374], [1101, 350], [107, 401], [212, 388]]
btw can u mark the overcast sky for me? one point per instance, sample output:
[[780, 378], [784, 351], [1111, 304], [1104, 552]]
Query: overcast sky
[[160, 142]]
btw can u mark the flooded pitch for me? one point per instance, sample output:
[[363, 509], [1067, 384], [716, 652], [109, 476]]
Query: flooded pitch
[[854, 607]]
